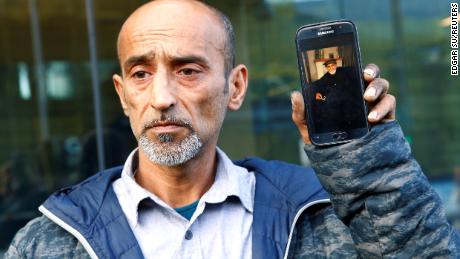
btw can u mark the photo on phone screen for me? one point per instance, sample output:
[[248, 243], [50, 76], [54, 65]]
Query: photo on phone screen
[[334, 88], [333, 84]]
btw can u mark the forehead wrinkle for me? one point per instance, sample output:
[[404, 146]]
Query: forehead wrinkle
[[139, 37], [157, 32], [193, 38], [180, 48], [137, 30]]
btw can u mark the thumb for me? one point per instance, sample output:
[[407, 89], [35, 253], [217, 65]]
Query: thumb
[[298, 115]]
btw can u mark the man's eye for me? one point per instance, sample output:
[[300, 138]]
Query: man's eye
[[140, 74], [188, 72]]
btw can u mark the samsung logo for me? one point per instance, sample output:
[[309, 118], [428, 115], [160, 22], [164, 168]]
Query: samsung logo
[[325, 32]]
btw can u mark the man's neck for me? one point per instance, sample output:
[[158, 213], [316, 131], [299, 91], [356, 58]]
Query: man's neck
[[178, 185]]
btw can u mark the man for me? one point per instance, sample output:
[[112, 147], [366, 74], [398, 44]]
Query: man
[[333, 96], [179, 196]]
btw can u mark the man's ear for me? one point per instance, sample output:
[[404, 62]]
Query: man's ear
[[237, 85], [118, 83]]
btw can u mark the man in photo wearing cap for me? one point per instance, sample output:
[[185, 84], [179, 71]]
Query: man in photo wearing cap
[[332, 96]]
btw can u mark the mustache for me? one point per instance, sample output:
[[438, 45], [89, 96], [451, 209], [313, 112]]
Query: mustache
[[168, 119]]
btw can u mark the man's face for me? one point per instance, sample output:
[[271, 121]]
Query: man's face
[[173, 80], [331, 68]]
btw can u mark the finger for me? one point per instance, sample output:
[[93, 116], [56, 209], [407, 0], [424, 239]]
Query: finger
[[384, 110], [298, 115], [371, 72], [376, 89]]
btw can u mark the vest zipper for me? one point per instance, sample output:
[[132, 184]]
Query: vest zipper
[[69, 229], [306, 206]]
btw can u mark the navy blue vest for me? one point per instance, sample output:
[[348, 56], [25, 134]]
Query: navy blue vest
[[282, 189]]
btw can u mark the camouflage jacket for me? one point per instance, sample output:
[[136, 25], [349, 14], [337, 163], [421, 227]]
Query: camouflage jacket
[[382, 206]]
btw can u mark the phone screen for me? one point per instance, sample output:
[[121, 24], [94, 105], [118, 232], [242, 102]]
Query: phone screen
[[333, 83]]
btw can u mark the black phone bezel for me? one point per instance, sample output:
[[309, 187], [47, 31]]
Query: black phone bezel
[[309, 32]]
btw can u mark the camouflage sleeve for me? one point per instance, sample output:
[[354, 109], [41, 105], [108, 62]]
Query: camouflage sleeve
[[320, 234], [41, 238], [379, 191]]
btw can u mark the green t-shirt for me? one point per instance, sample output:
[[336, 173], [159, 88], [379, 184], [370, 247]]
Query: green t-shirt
[[187, 210]]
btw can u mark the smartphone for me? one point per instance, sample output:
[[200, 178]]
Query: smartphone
[[332, 82]]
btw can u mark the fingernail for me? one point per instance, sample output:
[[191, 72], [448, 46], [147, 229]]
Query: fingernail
[[372, 115], [371, 92], [370, 72], [292, 100]]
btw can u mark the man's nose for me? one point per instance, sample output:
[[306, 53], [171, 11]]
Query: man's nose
[[163, 92]]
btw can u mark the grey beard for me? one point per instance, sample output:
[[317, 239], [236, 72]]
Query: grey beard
[[168, 153]]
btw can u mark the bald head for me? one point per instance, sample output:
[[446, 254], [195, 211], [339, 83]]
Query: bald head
[[149, 12]]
